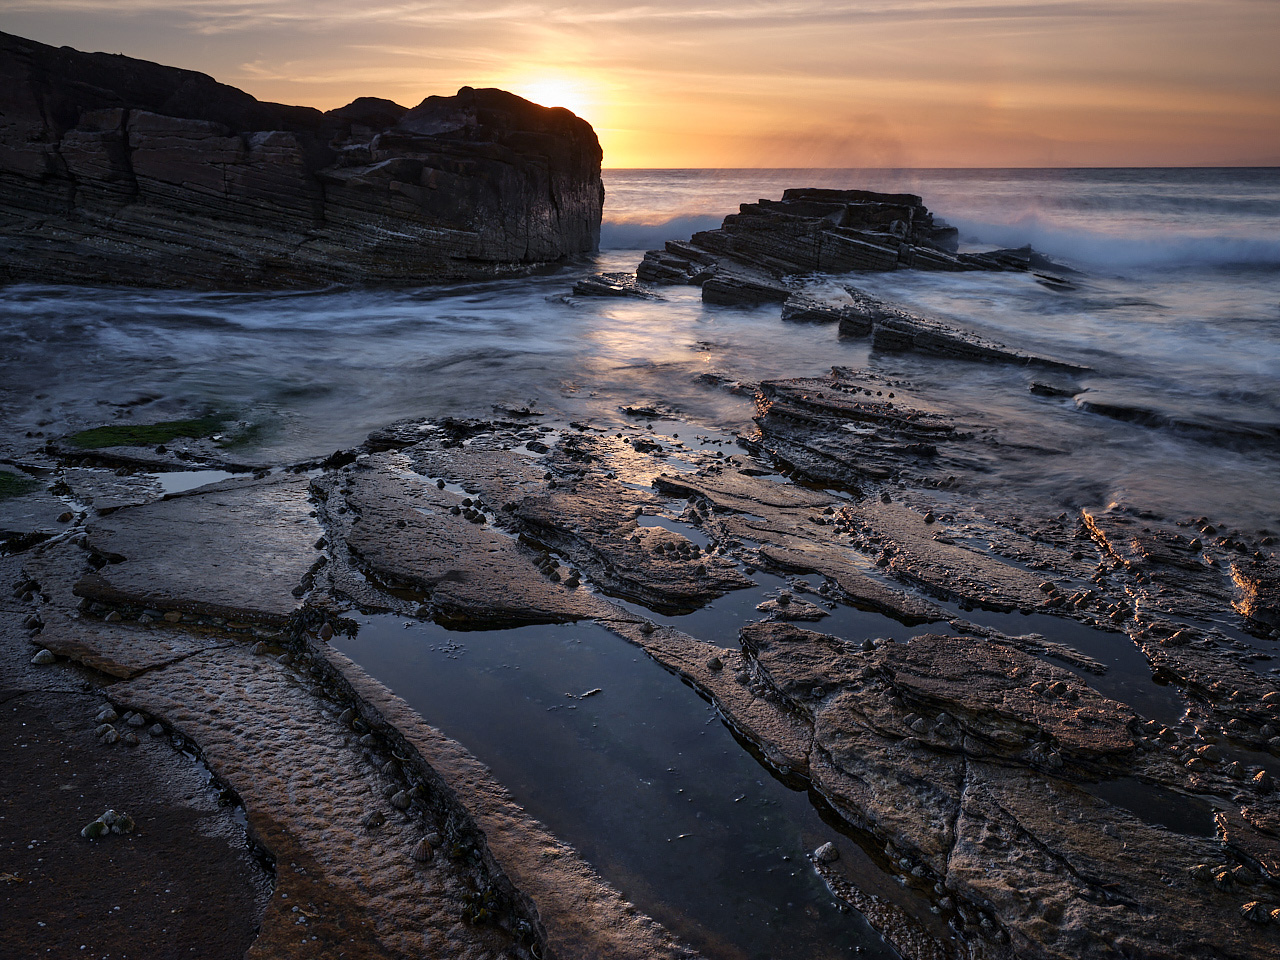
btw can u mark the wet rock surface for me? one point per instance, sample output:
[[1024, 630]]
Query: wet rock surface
[[129, 892], [118, 170], [751, 256], [342, 847], [188, 555], [893, 329], [1036, 731], [410, 533]]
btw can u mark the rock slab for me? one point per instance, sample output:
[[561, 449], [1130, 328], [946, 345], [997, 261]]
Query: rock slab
[[116, 170]]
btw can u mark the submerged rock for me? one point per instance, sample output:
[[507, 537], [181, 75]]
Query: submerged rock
[[107, 161], [612, 285], [894, 330]]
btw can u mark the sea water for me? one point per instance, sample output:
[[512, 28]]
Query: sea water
[[1173, 304], [1175, 307]]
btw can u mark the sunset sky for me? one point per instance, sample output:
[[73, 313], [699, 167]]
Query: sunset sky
[[795, 83]]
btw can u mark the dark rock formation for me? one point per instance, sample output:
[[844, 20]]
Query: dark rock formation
[[612, 285], [831, 231], [165, 555], [115, 170], [1001, 795], [893, 330]]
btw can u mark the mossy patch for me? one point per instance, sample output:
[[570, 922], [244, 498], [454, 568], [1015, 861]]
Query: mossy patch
[[145, 434], [16, 485]]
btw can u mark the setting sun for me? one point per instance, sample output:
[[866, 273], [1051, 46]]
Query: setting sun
[[557, 90]]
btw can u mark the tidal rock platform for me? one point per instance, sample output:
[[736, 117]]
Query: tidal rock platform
[[1086, 768], [122, 171]]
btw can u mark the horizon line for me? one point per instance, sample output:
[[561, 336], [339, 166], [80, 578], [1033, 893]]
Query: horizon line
[[1274, 165]]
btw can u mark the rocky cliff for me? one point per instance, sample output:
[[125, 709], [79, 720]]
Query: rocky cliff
[[115, 170]]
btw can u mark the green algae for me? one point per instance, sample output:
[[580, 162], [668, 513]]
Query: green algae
[[16, 485], [146, 434]]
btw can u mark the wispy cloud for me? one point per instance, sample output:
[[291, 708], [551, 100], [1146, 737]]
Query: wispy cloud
[[696, 81], [244, 15]]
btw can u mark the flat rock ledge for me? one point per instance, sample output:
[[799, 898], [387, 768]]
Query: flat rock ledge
[[413, 847], [121, 171], [996, 795]]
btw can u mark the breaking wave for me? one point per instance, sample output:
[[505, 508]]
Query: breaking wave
[[1111, 249], [650, 235]]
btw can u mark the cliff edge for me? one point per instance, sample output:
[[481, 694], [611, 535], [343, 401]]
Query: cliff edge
[[116, 170]]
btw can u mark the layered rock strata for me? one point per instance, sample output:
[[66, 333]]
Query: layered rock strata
[[115, 170], [1001, 793], [814, 230]]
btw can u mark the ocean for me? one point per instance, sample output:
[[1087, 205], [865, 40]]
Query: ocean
[[1174, 305]]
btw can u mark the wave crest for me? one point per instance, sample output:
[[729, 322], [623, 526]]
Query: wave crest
[[652, 234]]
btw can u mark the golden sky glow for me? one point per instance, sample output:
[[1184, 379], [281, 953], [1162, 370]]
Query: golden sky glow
[[794, 83]]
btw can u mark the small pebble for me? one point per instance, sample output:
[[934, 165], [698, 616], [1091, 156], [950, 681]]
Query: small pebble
[[107, 715], [44, 658], [715, 663], [827, 853], [156, 730]]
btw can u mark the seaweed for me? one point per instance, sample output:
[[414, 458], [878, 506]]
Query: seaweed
[[16, 485], [146, 434]]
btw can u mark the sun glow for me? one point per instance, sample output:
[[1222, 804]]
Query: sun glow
[[557, 90]]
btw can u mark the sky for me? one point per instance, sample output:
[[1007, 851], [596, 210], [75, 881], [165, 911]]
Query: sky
[[789, 83]]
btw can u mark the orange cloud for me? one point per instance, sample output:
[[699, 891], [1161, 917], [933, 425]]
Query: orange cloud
[[787, 83]]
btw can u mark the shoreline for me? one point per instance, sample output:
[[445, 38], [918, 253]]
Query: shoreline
[[998, 763], [753, 688]]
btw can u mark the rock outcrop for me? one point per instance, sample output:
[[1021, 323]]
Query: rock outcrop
[[115, 170], [811, 229]]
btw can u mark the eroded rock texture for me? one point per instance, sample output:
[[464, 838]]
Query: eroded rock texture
[[1086, 771], [816, 230], [115, 170]]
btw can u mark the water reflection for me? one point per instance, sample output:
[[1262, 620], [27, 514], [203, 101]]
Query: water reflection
[[641, 778]]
